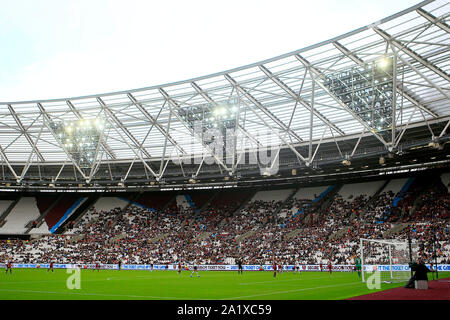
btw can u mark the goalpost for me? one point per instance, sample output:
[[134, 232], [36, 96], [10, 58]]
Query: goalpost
[[391, 258]]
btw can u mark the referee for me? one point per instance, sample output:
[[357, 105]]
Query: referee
[[240, 266]]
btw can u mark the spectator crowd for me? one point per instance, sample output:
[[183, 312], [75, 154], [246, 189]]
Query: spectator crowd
[[228, 230]]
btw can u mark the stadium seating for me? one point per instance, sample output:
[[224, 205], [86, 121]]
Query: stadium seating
[[183, 201], [357, 189], [155, 201], [109, 203], [227, 227], [57, 212], [445, 178], [395, 185], [23, 213], [4, 204], [310, 193], [272, 195]]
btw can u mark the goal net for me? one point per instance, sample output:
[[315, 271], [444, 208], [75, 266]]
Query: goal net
[[390, 258]]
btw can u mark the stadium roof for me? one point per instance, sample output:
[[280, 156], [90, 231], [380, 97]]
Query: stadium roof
[[381, 89]]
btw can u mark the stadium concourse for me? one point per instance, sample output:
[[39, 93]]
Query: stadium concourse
[[301, 225]]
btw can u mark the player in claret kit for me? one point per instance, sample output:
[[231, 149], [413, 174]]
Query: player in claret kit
[[97, 267], [9, 267], [50, 267], [179, 267], [274, 269], [330, 268]]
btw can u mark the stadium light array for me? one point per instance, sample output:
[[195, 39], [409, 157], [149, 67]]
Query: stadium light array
[[220, 116], [80, 139], [367, 90]]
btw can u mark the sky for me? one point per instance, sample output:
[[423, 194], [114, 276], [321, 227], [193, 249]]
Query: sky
[[63, 48]]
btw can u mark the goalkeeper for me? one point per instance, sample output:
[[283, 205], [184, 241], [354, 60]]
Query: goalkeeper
[[358, 266]]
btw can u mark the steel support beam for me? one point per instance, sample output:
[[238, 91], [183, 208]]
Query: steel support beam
[[289, 91], [29, 161], [5, 158], [103, 143], [348, 53], [440, 23], [411, 53], [23, 130], [177, 107], [438, 88], [47, 122], [155, 122], [211, 101], [398, 87], [318, 74], [445, 129], [123, 128], [261, 107], [136, 153], [404, 92], [255, 102]]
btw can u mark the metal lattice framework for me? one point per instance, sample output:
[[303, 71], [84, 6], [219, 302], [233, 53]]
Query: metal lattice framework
[[373, 84]]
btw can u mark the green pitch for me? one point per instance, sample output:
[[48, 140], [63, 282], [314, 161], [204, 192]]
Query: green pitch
[[169, 285]]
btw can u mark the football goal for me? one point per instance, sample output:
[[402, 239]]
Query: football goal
[[391, 258]]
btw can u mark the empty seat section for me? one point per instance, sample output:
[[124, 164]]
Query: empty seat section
[[44, 202], [272, 195], [354, 190], [230, 200], [155, 200], [395, 185], [23, 212], [200, 198], [60, 209], [310, 193], [109, 203], [445, 178], [4, 204]]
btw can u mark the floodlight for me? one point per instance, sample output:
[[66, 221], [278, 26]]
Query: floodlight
[[80, 139], [383, 63], [346, 162]]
